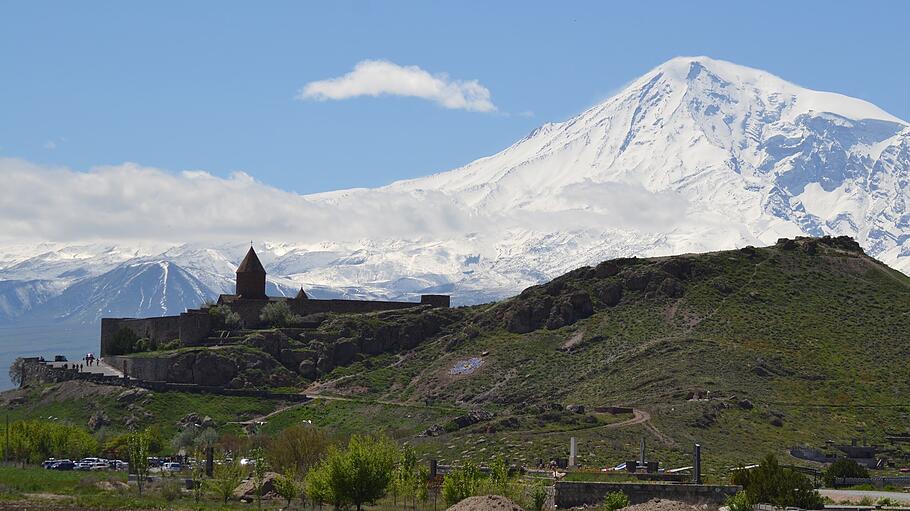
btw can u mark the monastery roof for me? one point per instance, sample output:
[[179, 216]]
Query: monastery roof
[[250, 263]]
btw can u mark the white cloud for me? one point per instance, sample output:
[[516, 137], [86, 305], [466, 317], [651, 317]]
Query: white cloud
[[50, 145], [130, 202], [381, 77]]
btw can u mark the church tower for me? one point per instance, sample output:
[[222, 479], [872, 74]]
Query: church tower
[[251, 278]]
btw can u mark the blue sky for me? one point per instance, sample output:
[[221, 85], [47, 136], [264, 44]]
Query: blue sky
[[214, 85]]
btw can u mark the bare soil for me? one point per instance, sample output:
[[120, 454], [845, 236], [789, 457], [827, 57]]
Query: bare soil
[[486, 503]]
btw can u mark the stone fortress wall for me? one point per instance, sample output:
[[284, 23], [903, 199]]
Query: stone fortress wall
[[195, 325]]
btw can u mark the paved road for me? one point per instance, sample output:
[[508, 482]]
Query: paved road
[[857, 495], [97, 368]]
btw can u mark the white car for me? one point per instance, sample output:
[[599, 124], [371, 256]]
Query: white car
[[172, 466]]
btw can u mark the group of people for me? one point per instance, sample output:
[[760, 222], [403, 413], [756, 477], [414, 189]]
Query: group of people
[[90, 359]]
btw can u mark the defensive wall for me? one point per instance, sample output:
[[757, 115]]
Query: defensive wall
[[195, 325], [40, 372], [576, 494]]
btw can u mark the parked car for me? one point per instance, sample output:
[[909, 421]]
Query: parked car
[[119, 465], [172, 466], [48, 462], [154, 462], [63, 465]]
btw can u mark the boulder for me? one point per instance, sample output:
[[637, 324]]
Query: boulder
[[671, 288], [307, 369], [579, 409], [606, 269], [608, 293], [98, 420], [211, 369], [678, 267], [132, 395], [344, 352], [247, 490], [786, 244]]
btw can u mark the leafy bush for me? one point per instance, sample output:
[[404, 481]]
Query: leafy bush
[[224, 317], [278, 314], [539, 497], [844, 467], [170, 489], [769, 483], [460, 484], [739, 502], [228, 476], [615, 500]]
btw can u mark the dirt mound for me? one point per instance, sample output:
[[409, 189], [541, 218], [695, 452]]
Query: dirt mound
[[663, 505], [486, 503]]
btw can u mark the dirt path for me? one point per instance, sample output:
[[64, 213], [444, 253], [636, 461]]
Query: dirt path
[[266, 417]]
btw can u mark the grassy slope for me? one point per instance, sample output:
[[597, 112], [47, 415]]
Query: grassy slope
[[794, 331]]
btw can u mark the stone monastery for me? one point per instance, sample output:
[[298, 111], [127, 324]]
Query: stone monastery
[[248, 300]]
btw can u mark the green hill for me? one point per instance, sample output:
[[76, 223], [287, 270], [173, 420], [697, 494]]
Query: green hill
[[746, 352]]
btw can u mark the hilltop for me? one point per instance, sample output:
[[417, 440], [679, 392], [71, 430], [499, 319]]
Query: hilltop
[[745, 351]]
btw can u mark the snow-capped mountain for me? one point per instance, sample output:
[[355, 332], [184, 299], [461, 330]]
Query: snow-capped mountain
[[695, 155]]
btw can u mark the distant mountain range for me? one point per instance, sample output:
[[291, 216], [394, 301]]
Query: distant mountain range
[[695, 155]]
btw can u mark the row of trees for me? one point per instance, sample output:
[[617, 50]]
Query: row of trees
[[33, 441]]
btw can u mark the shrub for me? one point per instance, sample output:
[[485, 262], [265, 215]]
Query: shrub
[[228, 476], [278, 314], [224, 316], [615, 500], [769, 483], [460, 484], [539, 497], [170, 489], [844, 467], [739, 502]]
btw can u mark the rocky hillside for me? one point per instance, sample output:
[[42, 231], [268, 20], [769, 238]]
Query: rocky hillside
[[771, 341], [746, 351]]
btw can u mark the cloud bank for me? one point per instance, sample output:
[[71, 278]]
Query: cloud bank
[[130, 202], [381, 77]]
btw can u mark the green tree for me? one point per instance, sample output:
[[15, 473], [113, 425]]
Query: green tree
[[228, 475], [297, 448], [769, 483], [844, 467], [286, 485], [224, 316], [318, 486], [500, 481], [260, 467], [356, 475], [538, 494], [139, 451], [278, 314], [460, 484]]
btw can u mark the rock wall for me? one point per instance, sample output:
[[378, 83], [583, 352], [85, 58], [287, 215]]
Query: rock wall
[[576, 494]]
